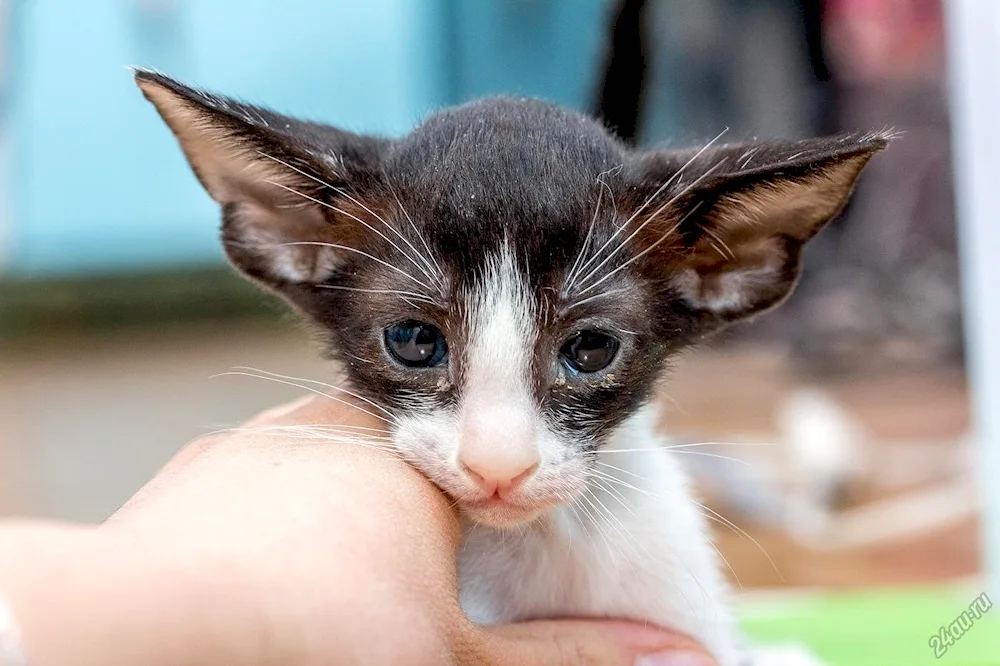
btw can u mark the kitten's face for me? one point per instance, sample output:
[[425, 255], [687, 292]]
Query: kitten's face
[[511, 352], [508, 280]]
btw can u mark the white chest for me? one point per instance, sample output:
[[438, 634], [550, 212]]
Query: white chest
[[634, 546]]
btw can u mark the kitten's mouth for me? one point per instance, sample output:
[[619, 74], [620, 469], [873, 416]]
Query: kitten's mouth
[[496, 511]]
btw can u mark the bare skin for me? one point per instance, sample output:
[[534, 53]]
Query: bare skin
[[258, 548]]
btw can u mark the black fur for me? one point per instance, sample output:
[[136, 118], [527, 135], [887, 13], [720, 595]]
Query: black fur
[[531, 173], [620, 98]]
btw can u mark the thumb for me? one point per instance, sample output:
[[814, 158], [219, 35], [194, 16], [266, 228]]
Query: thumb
[[589, 643]]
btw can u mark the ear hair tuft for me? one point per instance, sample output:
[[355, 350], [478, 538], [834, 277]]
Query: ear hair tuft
[[756, 205]]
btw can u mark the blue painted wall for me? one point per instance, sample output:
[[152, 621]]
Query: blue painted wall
[[537, 48], [96, 181]]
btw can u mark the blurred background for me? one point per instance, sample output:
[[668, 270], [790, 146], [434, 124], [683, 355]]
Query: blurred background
[[835, 448]]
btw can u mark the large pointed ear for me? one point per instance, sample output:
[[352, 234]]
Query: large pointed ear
[[283, 184], [725, 226]]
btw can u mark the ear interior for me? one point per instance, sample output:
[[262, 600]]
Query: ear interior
[[741, 249], [275, 222]]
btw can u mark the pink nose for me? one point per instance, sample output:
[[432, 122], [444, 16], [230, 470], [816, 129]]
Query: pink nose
[[498, 479], [498, 446]]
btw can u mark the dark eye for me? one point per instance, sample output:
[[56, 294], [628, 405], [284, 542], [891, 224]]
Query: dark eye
[[416, 344], [589, 351]]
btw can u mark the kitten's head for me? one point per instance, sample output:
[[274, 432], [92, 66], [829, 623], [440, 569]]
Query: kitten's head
[[508, 279]]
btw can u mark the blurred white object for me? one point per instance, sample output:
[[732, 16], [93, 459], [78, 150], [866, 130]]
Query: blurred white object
[[825, 451], [785, 655], [822, 437], [10, 639], [973, 27], [917, 513]]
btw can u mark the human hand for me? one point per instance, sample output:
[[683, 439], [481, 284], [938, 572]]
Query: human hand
[[288, 542]]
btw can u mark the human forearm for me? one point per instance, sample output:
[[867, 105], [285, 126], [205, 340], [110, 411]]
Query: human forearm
[[82, 597], [278, 545], [333, 529]]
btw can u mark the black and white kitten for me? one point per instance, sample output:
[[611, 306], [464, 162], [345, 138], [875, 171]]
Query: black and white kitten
[[508, 281]]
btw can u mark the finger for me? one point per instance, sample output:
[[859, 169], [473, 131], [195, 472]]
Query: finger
[[588, 643]]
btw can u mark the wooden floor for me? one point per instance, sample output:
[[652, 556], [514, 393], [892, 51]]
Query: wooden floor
[[722, 393]]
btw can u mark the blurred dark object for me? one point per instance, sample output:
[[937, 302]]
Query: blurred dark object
[[31, 309], [884, 288], [620, 97], [881, 286]]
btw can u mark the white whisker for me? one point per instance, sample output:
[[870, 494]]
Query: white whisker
[[619, 469], [653, 197], [363, 254], [320, 383], [310, 433], [696, 444], [615, 523], [612, 292], [304, 388], [354, 217], [625, 484], [346, 194], [638, 550], [649, 219], [571, 276], [718, 517], [649, 249], [712, 455], [611, 481], [423, 240], [359, 359], [649, 448], [363, 431], [595, 520], [728, 566], [409, 294], [728, 250], [614, 492]]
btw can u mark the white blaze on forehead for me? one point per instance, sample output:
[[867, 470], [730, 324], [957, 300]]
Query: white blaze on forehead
[[499, 419], [501, 332]]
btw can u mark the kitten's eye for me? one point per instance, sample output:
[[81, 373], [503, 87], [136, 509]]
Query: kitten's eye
[[589, 351], [416, 344]]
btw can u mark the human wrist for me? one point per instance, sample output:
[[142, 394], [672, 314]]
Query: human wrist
[[83, 596]]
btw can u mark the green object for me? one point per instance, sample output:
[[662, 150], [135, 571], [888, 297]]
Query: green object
[[878, 628], [102, 304]]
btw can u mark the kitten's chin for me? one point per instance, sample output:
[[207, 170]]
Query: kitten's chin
[[500, 514]]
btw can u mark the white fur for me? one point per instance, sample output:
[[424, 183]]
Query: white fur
[[497, 422], [498, 417], [595, 548], [734, 291], [645, 556], [294, 263]]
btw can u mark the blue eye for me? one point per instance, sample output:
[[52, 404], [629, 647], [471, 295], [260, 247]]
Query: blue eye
[[589, 351], [416, 344]]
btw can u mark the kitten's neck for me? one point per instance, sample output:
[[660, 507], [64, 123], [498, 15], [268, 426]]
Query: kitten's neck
[[634, 545]]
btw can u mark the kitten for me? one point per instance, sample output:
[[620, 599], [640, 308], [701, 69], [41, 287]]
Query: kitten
[[508, 282]]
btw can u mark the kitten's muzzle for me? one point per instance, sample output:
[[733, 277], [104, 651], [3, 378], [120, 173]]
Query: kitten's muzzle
[[499, 483], [498, 451]]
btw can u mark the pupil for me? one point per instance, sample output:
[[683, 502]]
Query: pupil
[[591, 356], [422, 342], [415, 344], [590, 351]]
